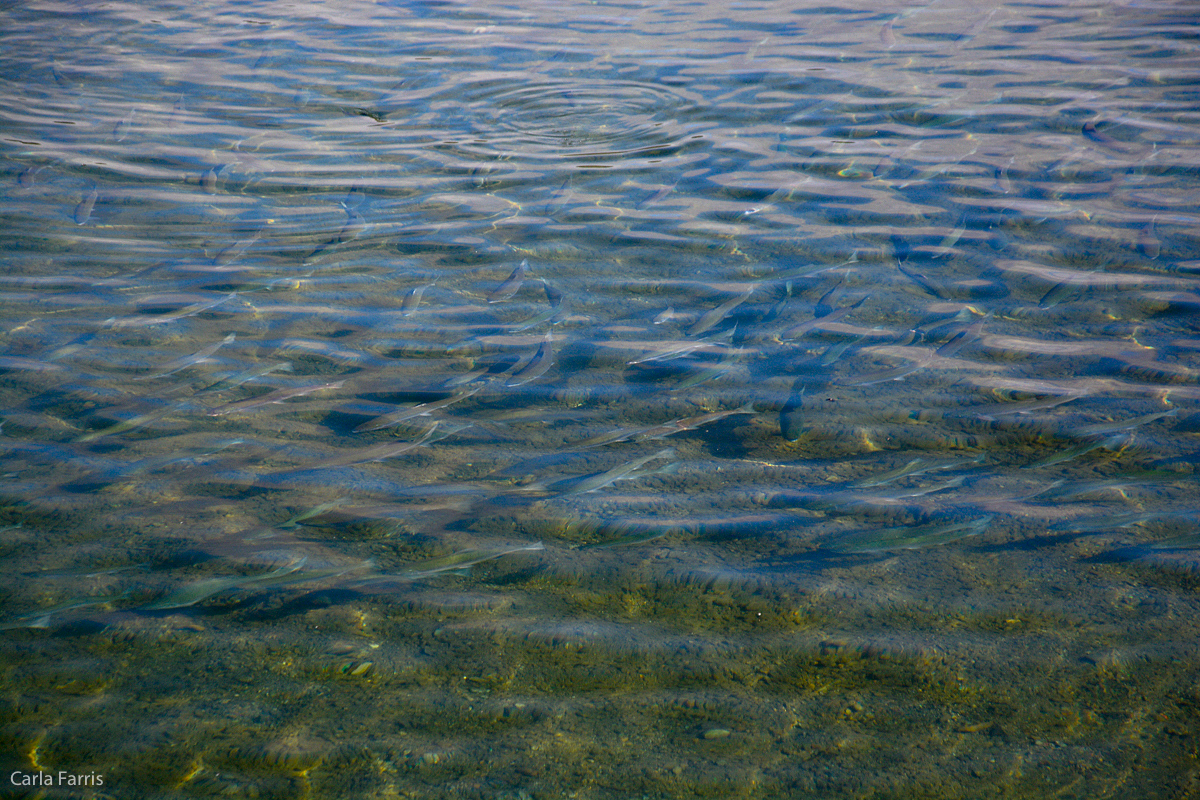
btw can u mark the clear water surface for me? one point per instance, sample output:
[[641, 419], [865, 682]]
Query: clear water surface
[[600, 400]]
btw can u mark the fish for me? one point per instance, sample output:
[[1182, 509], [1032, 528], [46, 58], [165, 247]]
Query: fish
[[354, 227], [886, 36], [538, 364], [836, 351], [334, 512], [623, 435], [1090, 131], [973, 31], [470, 376], [557, 312], [386, 450], [923, 281], [826, 303], [559, 200], [40, 619], [658, 195], [317, 511], [1061, 490], [121, 129], [691, 423], [554, 314], [200, 591], [1057, 293], [958, 341], [208, 180], [420, 410], [911, 538], [129, 470], [186, 361], [961, 339], [140, 321], [1001, 184], [137, 422], [666, 315], [713, 317], [659, 431], [989, 413], [582, 484], [894, 374], [59, 78], [833, 316], [554, 295], [917, 466], [412, 300], [28, 175], [328, 350], [235, 251], [1102, 428], [450, 563], [666, 351], [1109, 522], [378, 116], [277, 396], [951, 239], [178, 111], [83, 211], [728, 361], [791, 416], [1148, 243], [1118, 443], [30, 364], [511, 284], [355, 197], [245, 375], [953, 483]]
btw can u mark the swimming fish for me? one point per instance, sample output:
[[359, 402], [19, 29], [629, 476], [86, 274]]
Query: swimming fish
[[199, 591], [412, 300], [386, 450], [917, 466], [691, 423], [911, 538], [420, 410], [28, 175], [511, 284], [1101, 428], [583, 484], [791, 416], [235, 251], [121, 129], [83, 211], [713, 317], [277, 396], [451, 563], [1118, 442], [537, 365], [665, 351], [139, 321], [728, 361], [833, 316], [137, 422], [245, 376], [186, 361]]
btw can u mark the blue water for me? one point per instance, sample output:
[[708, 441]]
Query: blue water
[[599, 400]]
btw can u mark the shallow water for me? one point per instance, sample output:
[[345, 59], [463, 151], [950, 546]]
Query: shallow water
[[600, 400]]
